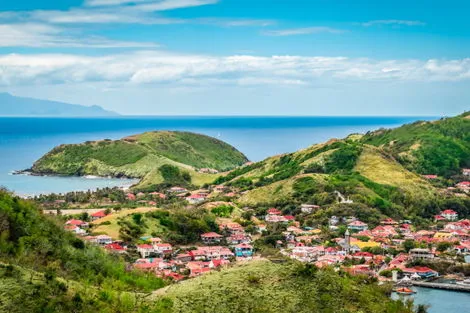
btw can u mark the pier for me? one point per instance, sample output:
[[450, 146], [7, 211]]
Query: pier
[[452, 287]]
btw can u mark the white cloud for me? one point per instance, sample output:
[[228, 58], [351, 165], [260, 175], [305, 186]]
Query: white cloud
[[43, 35], [165, 5], [303, 31], [152, 67], [393, 22], [151, 5], [100, 16]]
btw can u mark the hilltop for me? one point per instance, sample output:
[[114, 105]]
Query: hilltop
[[19, 106], [439, 147], [382, 170], [155, 157]]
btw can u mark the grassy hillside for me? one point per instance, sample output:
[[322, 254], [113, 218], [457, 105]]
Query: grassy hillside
[[262, 286], [439, 147], [141, 156], [45, 269], [381, 170]]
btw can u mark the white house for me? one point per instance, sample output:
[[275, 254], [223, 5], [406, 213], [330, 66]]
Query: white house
[[357, 226], [308, 208], [103, 240], [450, 215]]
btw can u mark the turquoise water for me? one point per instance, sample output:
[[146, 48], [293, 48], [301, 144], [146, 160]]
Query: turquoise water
[[441, 301], [24, 140]]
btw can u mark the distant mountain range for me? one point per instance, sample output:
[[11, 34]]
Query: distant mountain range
[[17, 106]]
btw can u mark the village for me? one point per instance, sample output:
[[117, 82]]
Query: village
[[393, 250]]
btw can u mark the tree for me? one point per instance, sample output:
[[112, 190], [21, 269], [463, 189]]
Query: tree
[[409, 244]]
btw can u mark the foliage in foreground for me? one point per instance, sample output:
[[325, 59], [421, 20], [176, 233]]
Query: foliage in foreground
[[262, 286]]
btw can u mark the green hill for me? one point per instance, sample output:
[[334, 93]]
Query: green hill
[[141, 156], [46, 269], [439, 147], [381, 170], [262, 286]]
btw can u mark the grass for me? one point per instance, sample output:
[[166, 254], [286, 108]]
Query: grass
[[374, 166], [262, 286], [112, 229], [141, 156], [275, 192]]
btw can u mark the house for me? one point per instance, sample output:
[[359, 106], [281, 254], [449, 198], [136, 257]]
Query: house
[[466, 171], [270, 218], [450, 215], [103, 239], [145, 250], [439, 218], [162, 248], [75, 229], [422, 271], [219, 188], [236, 239], [155, 240], [158, 195], [243, 250], [97, 215], [389, 221], [421, 254], [308, 208], [261, 228], [211, 253], [177, 190], [115, 248], [196, 198], [208, 171], [384, 231], [289, 218], [130, 197], [363, 255], [212, 237], [430, 177], [464, 186], [274, 211], [232, 228], [78, 223], [357, 226]]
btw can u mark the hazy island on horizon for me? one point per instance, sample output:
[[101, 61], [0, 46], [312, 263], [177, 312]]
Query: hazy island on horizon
[[13, 106]]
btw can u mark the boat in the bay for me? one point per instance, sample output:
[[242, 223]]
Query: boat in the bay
[[404, 291], [465, 282]]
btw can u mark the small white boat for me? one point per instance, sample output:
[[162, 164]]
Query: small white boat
[[465, 282]]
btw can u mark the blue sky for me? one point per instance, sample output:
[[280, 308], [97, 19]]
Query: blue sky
[[240, 57]]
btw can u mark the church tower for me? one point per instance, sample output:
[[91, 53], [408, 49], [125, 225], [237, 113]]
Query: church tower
[[347, 241]]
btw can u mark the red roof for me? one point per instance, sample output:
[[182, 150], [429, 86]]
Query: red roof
[[211, 235], [274, 211], [430, 176], [289, 217], [145, 246], [114, 246], [99, 214], [449, 212], [75, 222], [196, 196]]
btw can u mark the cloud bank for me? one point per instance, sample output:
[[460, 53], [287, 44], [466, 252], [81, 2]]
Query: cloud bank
[[152, 67]]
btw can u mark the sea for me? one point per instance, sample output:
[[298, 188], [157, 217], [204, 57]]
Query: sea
[[24, 140]]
